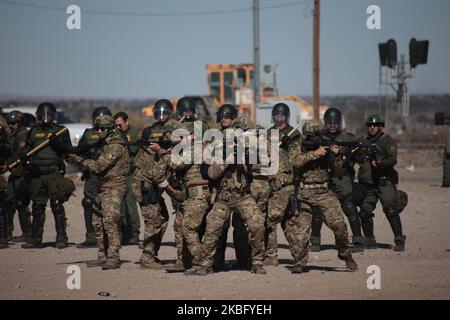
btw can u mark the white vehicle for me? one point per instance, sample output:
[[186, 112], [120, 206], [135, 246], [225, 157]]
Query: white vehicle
[[76, 130]]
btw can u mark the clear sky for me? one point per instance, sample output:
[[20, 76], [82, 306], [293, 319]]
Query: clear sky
[[165, 56]]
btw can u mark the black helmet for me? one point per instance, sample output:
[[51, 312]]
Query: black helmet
[[162, 107], [100, 111], [375, 119], [281, 108], [333, 115], [226, 111], [46, 113], [187, 106], [14, 116]]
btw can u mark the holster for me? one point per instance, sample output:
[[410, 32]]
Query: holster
[[293, 206], [150, 194]]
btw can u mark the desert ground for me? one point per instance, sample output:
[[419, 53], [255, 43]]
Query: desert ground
[[421, 272]]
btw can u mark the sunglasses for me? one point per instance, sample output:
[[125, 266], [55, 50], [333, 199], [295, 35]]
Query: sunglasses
[[101, 129], [370, 125]]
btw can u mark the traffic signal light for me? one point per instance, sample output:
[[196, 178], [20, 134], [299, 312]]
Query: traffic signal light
[[418, 52], [388, 53]]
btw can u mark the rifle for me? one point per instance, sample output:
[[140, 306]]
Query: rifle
[[284, 139], [36, 149]]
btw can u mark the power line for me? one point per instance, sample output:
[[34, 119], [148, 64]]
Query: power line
[[153, 14]]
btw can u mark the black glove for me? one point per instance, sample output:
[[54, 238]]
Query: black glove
[[23, 157]]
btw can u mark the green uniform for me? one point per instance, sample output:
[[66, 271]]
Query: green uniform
[[47, 171], [380, 182], [341, 183], [88, 142], [5, 152], [129, 212], [17, 191], [111, 165]]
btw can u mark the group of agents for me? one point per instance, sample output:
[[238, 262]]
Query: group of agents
[[311, 186]]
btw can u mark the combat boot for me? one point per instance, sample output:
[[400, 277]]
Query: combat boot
[[370, 243], [298, 269], [133, 241], [36, 232], [111, 265], [315, 244], [177, 267], [258, 270], [271, 261], [400, 243], [90, 242], [96, 263], [198, 271], [350, 264], [152, 265], [358, 244], [60, 224], [22, 238]]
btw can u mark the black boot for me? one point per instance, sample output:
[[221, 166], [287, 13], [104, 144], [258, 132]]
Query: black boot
[[9, 215], [91, 240], [60, 224], [25, 224], [396, 226], [367, 227], [37, 230], [355, 225], [316, 227], [3, 230]]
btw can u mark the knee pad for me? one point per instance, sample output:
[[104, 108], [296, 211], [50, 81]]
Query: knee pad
[[87, 203], [340, 229], [349, 207], [57, 207], [38, 209]]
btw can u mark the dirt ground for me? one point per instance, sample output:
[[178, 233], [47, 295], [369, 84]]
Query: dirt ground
[[421, 272]]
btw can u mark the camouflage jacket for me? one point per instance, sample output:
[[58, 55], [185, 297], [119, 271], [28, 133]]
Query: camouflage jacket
[[150, 166], [111, 163], [344, 152], [310, 168]]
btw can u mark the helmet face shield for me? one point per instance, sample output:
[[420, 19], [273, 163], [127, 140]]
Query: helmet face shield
[[161, 114], [189, 113], [46, 116]]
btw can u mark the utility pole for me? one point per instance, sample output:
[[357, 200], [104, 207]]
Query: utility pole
[[316, 59], [256, 62]]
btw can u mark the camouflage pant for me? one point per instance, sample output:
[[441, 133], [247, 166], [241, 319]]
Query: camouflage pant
[[246, 207], [260, 191], [107, 227], [195, 209], [329, 207], [156, 219], [294, 227]]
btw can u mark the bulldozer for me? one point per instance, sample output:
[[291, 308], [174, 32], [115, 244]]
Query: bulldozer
[[442, 119]]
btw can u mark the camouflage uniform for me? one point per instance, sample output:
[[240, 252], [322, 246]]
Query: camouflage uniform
[[341, 183], [282, 187], [234, 195], [17, 191], [111, 165], [150, 173], [312, 191], [128, 210]]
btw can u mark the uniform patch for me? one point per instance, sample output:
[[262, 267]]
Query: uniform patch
[[392, 148], [40, 135], [129, 138]]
